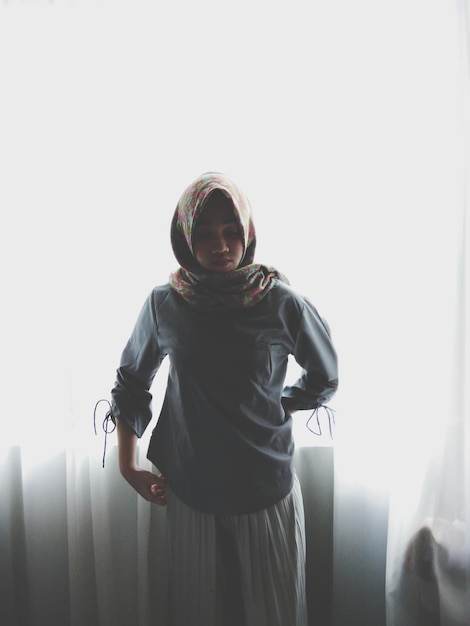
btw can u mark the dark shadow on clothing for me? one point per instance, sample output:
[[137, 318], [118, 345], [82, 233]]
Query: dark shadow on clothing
[[229, 577]]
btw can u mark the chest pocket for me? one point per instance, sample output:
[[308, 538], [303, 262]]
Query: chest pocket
[[267, 360]]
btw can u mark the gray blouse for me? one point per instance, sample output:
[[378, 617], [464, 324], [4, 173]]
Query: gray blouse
[[223, 439]]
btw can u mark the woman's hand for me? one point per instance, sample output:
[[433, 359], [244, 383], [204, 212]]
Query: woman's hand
[[150, 486]]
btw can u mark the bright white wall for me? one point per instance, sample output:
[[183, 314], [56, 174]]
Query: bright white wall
[[340, 119]]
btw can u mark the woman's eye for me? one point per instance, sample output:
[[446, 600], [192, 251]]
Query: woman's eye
[[202, 234], [233, 234]]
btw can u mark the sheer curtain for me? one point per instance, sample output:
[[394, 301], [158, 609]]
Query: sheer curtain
[[428, 568], [347, 124]]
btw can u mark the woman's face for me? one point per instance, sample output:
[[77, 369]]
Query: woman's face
[[217, 240]]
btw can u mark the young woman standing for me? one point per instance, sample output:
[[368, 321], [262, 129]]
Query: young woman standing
[[223, 441]]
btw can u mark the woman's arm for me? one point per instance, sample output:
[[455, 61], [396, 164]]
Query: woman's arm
[[150, 486], [315, 353]]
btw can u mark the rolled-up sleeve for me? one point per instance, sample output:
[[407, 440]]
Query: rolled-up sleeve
[[130, 397], [315, 353]]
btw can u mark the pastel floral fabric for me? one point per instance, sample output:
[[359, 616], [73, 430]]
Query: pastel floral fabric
[[243, 287]]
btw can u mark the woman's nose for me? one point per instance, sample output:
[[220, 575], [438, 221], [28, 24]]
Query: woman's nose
[[219, 244]]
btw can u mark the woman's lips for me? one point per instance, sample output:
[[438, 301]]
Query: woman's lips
[[221, 262]]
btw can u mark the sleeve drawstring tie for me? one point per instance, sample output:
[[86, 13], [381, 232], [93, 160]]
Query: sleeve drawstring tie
[[107, 428], [315, 415]]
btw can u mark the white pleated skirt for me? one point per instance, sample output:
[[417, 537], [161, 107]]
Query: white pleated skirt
[[238, 570]]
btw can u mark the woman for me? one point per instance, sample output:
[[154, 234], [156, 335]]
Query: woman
[[223, 441]]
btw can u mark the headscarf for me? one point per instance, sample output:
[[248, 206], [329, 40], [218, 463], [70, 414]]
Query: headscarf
[[239, 288]]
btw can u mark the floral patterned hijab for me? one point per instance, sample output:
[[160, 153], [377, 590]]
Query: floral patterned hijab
[[242, 287]]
